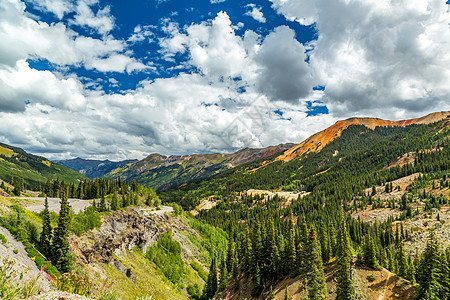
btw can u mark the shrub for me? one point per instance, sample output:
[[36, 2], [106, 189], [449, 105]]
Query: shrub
[[3, 239], [15, 251], [73, 282], [201, 272], [166, 254], [194, 291], [371, 277]]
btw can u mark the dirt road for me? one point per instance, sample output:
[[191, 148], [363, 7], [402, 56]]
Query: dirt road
[[53, 204]]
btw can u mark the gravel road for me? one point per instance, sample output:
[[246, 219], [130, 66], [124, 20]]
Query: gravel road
[[53, 204], [164, 209]]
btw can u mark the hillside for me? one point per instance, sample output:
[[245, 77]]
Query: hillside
[[35, 170], [319, 140], [384, 185], [162, 172], [93, 168]]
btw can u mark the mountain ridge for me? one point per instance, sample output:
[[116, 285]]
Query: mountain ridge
[[317, 141]]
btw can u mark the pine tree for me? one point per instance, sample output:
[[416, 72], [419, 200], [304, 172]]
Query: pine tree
[[223, 283], [344, 281], [102, 205], [428, 270], [290, 249], [46, 235], [257, 284], [61, 250], [315, 277], [402, 262], [211, 284], [369, 255], [114, 202]]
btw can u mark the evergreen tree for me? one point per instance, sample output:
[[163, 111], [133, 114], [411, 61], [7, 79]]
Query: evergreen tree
[[211, 284], [114, 203], [223, 283], [344, 281], [315, 277], [61, 250], [369, 255], [428, 270], [402, 262], [46, 234], [257, 283], [290, 249]]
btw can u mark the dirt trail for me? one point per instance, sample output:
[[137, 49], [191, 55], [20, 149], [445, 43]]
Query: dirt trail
[[381, 297], [54, 204]]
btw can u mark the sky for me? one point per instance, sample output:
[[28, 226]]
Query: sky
[[124, 79]]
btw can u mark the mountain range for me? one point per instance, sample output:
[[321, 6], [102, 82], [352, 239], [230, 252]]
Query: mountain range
[[93, 168]]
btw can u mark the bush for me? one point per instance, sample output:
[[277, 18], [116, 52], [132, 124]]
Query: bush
[[86, 220], [3, 239], [194, 291], [15, 251], [166, 254], [73, 282], [201, 272], [371, 277]]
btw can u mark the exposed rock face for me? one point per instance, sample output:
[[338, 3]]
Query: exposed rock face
[[120, 232]]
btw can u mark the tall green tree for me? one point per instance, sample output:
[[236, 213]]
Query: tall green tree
[[46, 234], [344, 281], [61, 250], [428, 270], [317, 288], [211, 284]]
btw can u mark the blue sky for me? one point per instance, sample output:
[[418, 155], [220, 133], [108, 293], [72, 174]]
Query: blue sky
[[123, 79]]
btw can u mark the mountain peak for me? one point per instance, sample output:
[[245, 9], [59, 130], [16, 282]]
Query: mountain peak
[[319, 140]]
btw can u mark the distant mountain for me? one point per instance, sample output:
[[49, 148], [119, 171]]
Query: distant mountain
[[15, 162], [162, 172], [316, 142], [93, 168]]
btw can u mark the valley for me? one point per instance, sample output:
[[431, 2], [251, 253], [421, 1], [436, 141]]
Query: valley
[[362, 211]]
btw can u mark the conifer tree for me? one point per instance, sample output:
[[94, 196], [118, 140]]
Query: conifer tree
[[290, 251], [223, 282], [61, 250], [211, 284], [46, 235], [369, 255], [315, 277], [344, 281], [257, 282], [428, 270], [402, 262], [114, 202]]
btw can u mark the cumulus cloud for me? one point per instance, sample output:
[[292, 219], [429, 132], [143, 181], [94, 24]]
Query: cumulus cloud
[[101, 21], [58, 7], [284, 74], [24, 38], [374, 54], [255, 12]]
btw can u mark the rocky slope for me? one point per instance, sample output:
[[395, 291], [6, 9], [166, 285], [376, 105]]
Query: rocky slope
[[116, 252], [316, 142], [162, 172]]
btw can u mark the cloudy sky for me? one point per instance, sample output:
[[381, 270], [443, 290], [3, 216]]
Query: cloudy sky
[[123, 79]]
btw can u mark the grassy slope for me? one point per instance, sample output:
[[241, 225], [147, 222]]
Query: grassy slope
[[33, 169]]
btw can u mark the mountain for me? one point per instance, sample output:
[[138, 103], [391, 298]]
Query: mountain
[[319, 140], [162, 172], [15, 162], [380, 188], [93, 168]]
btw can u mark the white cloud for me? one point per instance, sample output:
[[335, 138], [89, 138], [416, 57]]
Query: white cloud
[[256, 13], [58, 7], [24, 38], [377, 54], [102, 21]]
